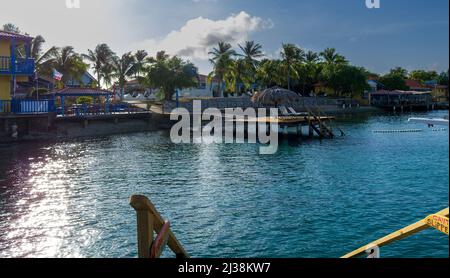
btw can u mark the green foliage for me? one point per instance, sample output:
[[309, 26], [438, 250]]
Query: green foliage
[[84, 100], [9, 27], [399, 72], [443, 78], [422, 75], [168, 74], [65, 60], [345, 79], [101, 58], [393, 81]]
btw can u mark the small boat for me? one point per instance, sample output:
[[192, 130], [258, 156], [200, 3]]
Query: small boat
[[430, 122]]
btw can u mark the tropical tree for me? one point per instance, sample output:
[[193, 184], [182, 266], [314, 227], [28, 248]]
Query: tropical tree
[[101, 57], [168, 74], [400, 72], [140, 59], [40, 57], [106, 74], [9, 27], [422, 75], [222, 61], [394, 81], [65, 60], [443, 78], [291, 54], [311, 57], [238, 76], [345, 79], [122, 69], [312, 70], [252, 53], [269, 73], [331, 57]]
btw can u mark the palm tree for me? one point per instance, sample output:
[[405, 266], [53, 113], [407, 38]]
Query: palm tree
[[140, 60], [100, 57], [311, 57], [221, 60], [331, 57], [107, 74], [122, 68], [268, 73], [237, 76], [66, 61], [38, 56], [291, 54], [251, 53], [399, 71]]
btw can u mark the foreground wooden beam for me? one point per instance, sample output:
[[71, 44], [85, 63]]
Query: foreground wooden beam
[[398, 235], [148, 221]]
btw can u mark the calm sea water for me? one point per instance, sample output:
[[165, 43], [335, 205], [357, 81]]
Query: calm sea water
[[314, 199]]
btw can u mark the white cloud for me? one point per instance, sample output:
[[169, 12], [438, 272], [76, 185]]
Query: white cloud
[[195, 39]]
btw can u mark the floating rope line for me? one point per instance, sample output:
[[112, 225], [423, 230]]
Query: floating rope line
[[439, 129], [398, 131]]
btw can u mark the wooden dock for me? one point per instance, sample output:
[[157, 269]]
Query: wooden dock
[[293, 125]]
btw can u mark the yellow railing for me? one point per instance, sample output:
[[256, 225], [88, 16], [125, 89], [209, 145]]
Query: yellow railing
[[149, 221], [438, 221]]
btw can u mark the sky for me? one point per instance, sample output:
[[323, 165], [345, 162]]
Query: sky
[[413, 34]]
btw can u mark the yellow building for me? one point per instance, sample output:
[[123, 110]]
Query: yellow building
[[439, 93], [15, 62]]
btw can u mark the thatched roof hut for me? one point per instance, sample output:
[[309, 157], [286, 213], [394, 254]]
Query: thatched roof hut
[[275, 97]]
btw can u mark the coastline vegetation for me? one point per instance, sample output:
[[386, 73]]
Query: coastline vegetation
[[236, 71]]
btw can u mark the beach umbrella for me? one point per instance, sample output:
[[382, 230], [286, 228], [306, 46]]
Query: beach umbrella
[[275, 97]]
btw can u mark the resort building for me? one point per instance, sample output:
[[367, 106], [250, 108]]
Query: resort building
[[86, 81], [416, 86], [16, 64], [439, 92], [401, 99], [204, 89]]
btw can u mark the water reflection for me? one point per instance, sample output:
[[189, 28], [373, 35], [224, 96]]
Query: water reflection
[[70, 199]]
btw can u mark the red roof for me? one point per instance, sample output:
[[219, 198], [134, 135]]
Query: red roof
[[9, 35], [414, 84], [398, 92], [81, 92]]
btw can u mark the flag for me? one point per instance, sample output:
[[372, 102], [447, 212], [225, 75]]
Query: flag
[[57, 75]]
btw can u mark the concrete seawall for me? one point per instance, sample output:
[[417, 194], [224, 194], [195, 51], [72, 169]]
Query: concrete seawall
[[49, 127]]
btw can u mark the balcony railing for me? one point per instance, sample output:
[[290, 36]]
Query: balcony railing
[[23, 106], [23, 66]]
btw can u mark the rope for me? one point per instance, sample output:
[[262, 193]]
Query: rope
[[398, 131]]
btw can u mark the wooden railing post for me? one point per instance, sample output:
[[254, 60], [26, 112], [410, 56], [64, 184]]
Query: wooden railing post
[[145, 226], [148, 221]]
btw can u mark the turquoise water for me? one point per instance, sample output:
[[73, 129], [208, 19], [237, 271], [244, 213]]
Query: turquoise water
[[313, 199]]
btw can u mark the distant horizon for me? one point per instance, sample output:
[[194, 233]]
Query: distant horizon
[[377, 39]]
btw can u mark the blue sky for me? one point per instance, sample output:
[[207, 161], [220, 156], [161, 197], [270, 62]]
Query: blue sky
[[408, 33]]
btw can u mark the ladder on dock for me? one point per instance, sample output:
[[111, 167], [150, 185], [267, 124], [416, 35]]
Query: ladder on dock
[[439, 221], [324, 130], [149, 221]]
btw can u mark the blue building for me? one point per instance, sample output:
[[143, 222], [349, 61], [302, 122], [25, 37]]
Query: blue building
[[86, 81]]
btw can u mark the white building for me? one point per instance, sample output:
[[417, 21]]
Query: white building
[[204, 88]]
